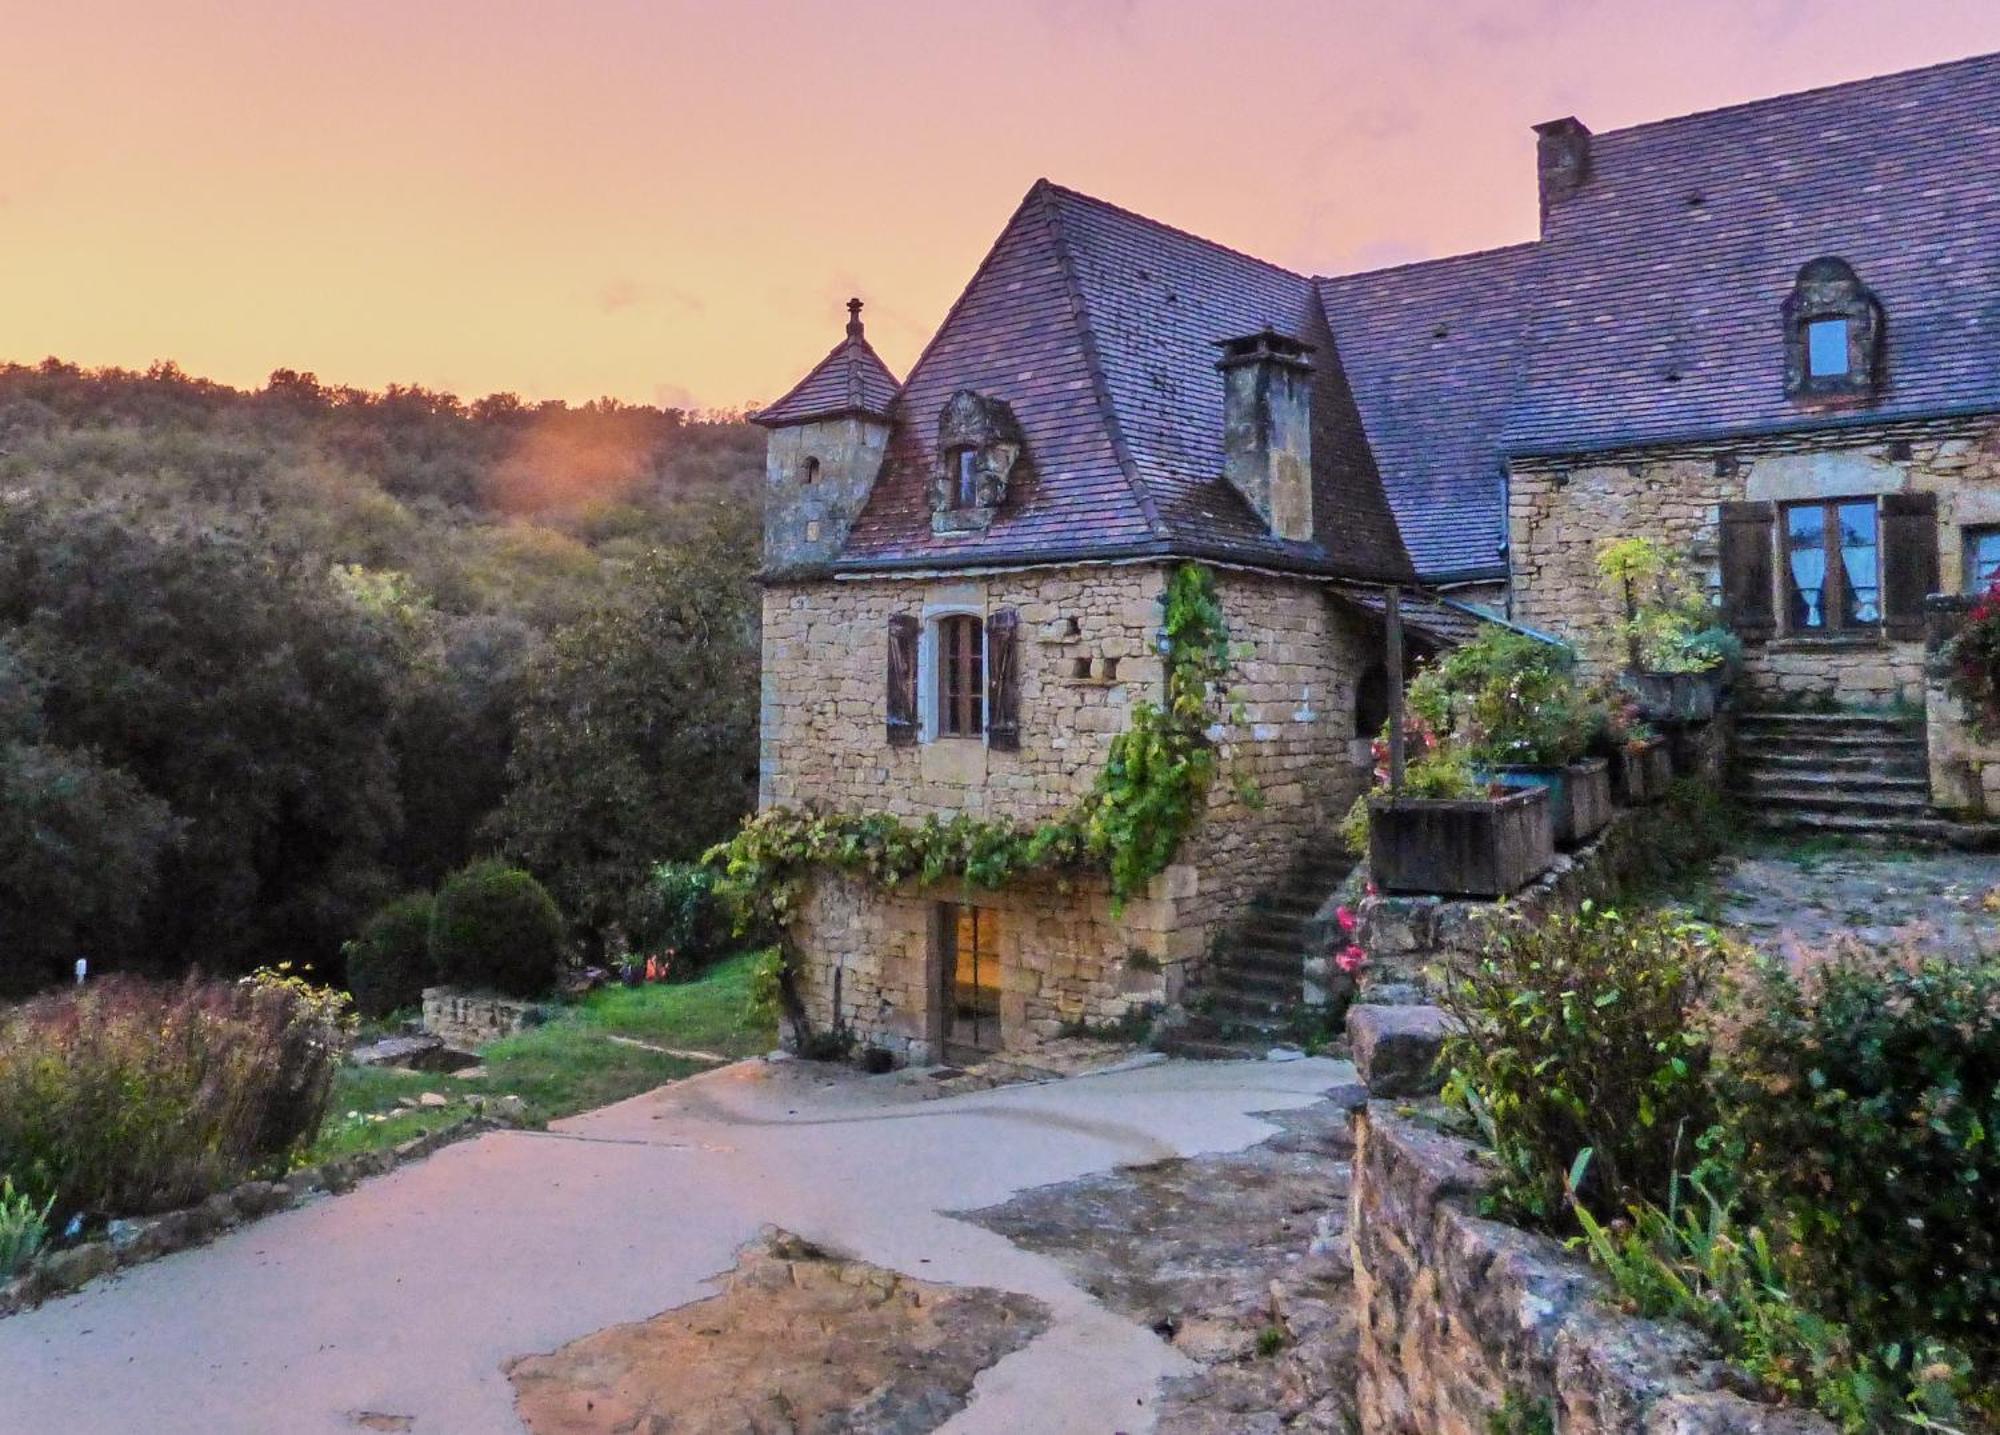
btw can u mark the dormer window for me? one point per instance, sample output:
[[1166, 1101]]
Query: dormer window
[[979, 444], [1833, 334]]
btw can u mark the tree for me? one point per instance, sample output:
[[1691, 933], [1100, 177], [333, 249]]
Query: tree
[[637, 734]]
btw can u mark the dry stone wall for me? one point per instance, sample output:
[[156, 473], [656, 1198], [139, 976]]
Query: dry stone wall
[[1965, 767], [1089, 649], [1559, 515], [1466, 1324]]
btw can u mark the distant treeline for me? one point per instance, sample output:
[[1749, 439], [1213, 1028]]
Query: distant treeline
[[268, 658]]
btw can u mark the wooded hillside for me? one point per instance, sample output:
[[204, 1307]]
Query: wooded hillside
[[267, 658]]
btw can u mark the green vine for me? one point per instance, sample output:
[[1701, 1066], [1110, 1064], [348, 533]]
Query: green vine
[[1147, 796]]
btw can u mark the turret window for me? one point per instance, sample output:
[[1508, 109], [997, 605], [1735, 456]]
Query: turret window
[[809, 471]]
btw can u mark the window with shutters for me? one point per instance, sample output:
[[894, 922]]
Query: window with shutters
[[961, 677], [1829, 567]]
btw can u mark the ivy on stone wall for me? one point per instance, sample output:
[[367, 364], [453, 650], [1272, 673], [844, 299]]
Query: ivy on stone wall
[[1147, 796]]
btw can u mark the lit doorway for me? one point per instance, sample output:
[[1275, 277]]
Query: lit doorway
[[969, 945]]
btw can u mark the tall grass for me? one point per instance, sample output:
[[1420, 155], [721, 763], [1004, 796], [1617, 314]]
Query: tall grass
[[128, 1096]]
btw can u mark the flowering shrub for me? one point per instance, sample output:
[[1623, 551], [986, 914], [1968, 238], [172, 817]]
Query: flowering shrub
[[1974, 676], [1507, 699], [1432, 767], [126, 1097], [1350, 958]]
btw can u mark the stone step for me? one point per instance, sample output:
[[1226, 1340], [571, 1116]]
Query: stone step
[[1263, 984], [1920, 831], [1193, 1048], [1290, 964], [1910, 762], [1865, 804], [1836, 783], [1756, 725], [1244, 1009], [1785, 740], [1280, 933]]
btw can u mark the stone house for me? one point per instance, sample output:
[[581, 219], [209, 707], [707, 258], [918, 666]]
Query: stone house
[[1771, 333]]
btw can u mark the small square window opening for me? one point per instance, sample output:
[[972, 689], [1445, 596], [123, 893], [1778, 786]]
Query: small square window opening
[[1826, 348]]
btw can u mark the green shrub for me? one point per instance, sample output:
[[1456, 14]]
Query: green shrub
[[1701, 1262], [494, 926], [126, 1097], [24, 1227], [1579, 1031], [678, 912], [1865, 1098], [389, 964]]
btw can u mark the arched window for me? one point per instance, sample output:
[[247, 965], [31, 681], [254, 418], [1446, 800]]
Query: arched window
[[1833, 333], [809, 471], [961, 676]]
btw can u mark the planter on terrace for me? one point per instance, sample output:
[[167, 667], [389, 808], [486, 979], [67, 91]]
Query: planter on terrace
[[1579, 796], [1461, 847]]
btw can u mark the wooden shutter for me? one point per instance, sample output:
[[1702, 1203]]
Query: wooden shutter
[[1909, 560], [1003, 680], [1747, 605], [903, 629]]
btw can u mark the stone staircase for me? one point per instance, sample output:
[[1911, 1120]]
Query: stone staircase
[[1860, 775], [1250, 994]]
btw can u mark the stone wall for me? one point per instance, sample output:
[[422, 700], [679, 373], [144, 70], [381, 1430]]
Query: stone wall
[[1559, 514], [1965, 769], [1088, 651], [466, 1021], [1462, 1319], [871, 965]]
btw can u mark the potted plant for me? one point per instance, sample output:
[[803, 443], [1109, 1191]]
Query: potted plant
[[1679, 660], [1973, 674], [1448, 831], [1640, 759], [1514, 703]]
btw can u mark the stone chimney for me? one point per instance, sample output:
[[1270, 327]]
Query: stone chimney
[[1267, 428], [1562, 161]]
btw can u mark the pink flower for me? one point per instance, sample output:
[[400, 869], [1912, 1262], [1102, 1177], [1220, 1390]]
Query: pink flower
[[1351, 960], [1345, 916]]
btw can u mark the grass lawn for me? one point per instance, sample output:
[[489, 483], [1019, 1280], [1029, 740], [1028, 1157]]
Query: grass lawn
[[570, 1064]]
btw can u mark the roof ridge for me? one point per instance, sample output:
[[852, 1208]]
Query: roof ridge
[[1863, 82], [1080, 311], [1173, 229], [1526, 245]]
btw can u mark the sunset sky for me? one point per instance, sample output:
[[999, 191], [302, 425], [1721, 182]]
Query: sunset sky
[[669, 202]]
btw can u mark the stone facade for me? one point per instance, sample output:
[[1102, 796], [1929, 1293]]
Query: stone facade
[[816, 478], [1468, 1326], [1089, 640], [1560, 512]]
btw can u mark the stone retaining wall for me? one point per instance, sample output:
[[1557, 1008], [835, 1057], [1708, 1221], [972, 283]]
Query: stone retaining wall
[[1466, 1324], [466, 1021]]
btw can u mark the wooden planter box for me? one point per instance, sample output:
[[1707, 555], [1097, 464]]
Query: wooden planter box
[[1475, 847], [1677, 697], [1640, 774], [1579, 796]]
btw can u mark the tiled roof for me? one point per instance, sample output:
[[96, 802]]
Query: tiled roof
[[1099, 328], [1433, 353], [852, 379], [1657, 309], [1441, 620]]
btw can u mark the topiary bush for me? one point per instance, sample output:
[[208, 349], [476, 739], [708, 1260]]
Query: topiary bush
[[494, 926], [389, 964], [126, 1097], [1864, 1099], [1581, 1032]]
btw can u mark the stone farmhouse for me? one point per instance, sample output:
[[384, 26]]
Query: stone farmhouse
[[1770, 333]]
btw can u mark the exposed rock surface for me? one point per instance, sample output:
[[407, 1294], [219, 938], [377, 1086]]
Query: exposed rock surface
[[1239, 1260], [799, 1342], [1396, 1048]]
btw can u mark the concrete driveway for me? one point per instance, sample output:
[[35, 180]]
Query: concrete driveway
[[403, 1298]]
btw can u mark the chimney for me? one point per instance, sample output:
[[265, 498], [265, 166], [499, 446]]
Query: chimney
[[1562, 161], [1267, 428]]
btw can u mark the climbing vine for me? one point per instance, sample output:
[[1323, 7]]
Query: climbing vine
[[1128, 827]]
